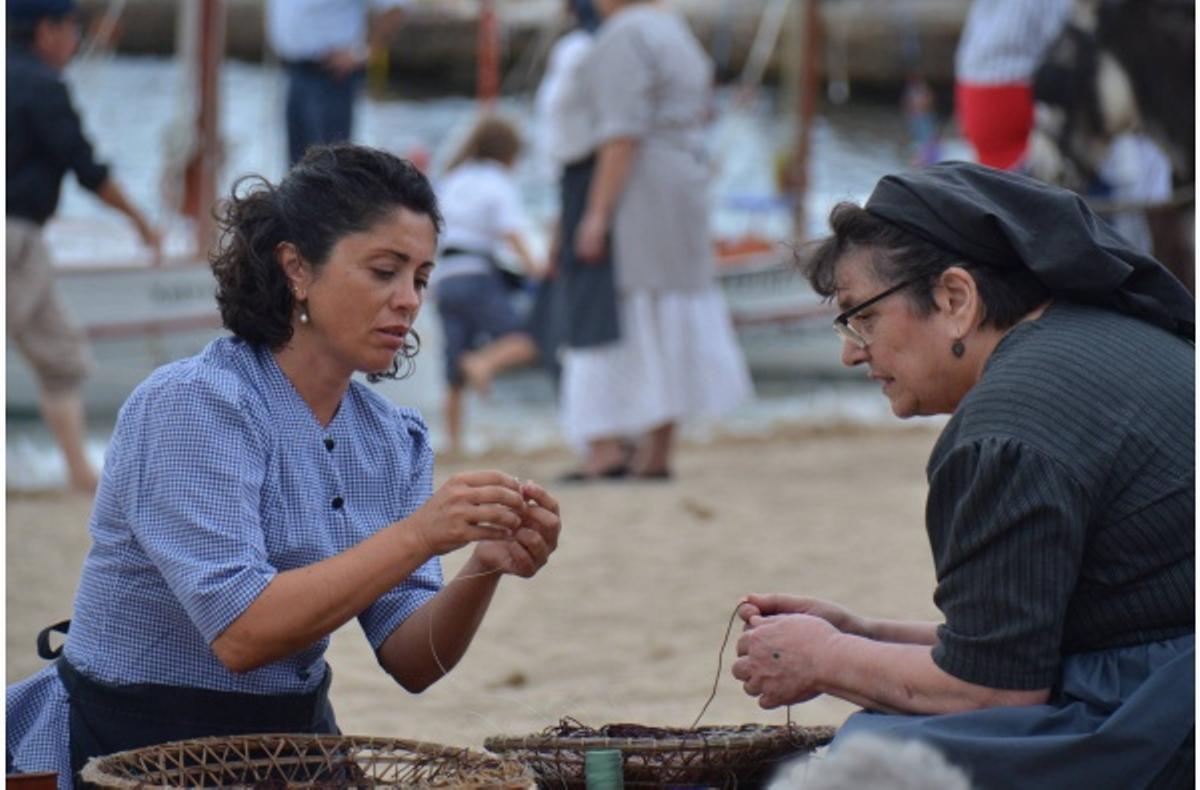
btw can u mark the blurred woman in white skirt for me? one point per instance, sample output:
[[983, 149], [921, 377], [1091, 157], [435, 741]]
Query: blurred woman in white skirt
[[647, 86]]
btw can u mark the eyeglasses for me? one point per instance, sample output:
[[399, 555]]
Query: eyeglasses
[[841, 324]]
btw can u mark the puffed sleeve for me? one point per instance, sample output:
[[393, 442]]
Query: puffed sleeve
[[381, 618], [621, 82], [199, 472], [1007, 525]]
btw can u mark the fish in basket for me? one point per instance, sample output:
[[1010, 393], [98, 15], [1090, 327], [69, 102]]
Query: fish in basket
[[309, 761], [713, 756]]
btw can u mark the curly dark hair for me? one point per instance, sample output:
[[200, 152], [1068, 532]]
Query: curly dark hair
[[1007, 295], [335, 190]]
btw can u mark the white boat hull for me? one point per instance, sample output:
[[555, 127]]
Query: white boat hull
[[136, 318]]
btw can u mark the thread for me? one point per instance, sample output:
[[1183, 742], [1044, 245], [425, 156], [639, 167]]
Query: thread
[[717, 678]]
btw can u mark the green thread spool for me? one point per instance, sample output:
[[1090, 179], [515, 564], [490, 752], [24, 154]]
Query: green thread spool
[[604, 770]]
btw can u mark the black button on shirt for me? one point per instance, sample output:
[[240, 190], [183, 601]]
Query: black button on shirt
[[337, 503], [329, 443]]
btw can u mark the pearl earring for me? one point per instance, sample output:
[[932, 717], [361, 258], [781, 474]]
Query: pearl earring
[[303, 307], [958, 349]]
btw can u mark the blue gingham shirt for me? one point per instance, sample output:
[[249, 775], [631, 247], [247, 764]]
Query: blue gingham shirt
[[219, 476]]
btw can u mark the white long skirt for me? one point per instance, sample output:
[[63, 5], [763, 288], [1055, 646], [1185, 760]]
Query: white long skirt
[[677, 358]]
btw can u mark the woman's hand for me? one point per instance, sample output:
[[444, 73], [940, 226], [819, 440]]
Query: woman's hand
[[471, 506], [590, 237], [780, 658], [533, 541], [839, 617]]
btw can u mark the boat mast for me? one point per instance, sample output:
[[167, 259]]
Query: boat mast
[[487, 79], [207, 33], [806, 105]]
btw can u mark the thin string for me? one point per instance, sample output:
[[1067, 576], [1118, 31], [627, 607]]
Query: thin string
[[720, 656], [717, 678], [433, 649]]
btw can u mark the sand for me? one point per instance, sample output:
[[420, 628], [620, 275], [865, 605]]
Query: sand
[[625, 622]]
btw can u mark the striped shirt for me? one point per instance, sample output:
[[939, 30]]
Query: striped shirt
[[1003, 41], [1061, 509], [218, 477]]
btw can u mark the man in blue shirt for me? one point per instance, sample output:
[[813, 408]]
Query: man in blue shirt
[[45, 139]]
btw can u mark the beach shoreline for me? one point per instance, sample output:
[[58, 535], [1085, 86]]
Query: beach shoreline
[[625, 623]]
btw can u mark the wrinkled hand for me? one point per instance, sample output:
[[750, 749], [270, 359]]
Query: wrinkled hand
[[471, 506], [533, 541], [590, 238], [779, 658], [841, 618]]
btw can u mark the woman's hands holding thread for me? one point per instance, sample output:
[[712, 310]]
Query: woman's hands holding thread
[[841, 618], [471, 506], [533, 541], [780, 658]]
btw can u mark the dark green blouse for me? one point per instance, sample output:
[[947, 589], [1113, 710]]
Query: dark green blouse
[[1061, 509]]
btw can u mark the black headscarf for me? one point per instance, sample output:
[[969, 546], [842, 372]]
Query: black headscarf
[[1004, 220]]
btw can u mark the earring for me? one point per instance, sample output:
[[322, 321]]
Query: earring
[[303, 307], [958, 349]]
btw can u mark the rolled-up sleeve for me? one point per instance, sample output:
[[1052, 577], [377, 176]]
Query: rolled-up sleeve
[[621, 80], [196, 503], [60, 131], [1008, 526]]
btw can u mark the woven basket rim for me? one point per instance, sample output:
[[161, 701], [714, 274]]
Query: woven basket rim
[[813, 735], [94, 771]]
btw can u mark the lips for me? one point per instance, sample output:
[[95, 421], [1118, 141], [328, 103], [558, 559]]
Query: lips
[[393, 336]]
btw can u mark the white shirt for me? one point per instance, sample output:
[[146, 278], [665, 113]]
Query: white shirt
[[310, 29], [564, 134], [480, 205], [1003, 41]]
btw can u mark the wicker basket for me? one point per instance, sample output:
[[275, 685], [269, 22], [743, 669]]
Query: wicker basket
[[315, 761], [719, 756]]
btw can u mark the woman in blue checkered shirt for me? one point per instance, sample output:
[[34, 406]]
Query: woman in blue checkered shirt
[[255, 498]]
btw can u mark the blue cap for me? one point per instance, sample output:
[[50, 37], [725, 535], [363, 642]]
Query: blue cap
[[33, 10]]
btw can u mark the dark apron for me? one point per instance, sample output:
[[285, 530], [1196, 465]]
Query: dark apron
[[106, 719], [589, 288], [1119, 718]]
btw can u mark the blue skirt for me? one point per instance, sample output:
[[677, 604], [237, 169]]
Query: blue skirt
[[1121, 718]]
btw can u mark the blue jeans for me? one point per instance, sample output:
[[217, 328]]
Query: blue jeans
[[320, 107]]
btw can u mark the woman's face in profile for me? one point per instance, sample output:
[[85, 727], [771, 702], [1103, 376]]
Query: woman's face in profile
[[364, 300], [907, 353]]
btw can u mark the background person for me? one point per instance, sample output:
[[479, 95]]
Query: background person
[[45, 139], [256, 498], [1061, 506], [647, 83], [484, 215], [1001, 45], [324, 46]]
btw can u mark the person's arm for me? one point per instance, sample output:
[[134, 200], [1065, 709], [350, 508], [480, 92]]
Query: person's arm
[[383, 28], [613, 164], [916, 632], [436, 636], [56, 123], [300, 606], [517, 244], [787, 659], [112, 195]]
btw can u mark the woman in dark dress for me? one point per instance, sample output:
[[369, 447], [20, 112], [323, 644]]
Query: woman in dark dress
[[1061, 509]]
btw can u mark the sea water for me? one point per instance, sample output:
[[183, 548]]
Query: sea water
[[135, 111]]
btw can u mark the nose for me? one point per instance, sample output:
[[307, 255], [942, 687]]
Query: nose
[[853, 355], [406, 297]]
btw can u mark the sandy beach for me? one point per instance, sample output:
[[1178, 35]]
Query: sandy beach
[[625, 623]]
